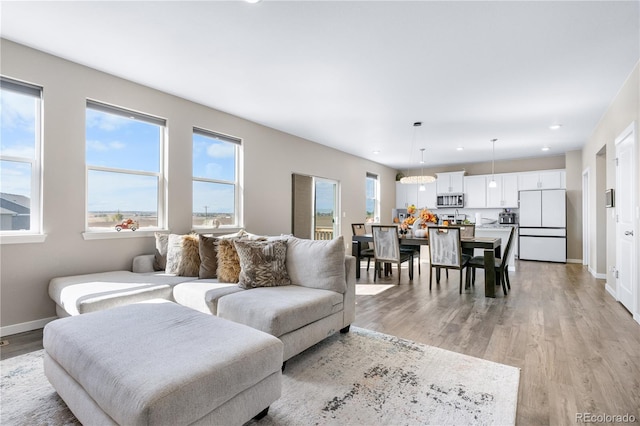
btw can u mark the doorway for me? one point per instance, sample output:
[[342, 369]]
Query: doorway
[[626, 205], [315, 205], [586, 221]]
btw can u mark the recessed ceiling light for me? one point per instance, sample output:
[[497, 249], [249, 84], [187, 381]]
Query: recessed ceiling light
[[555, 126], [460, 148], [376, 152], [253, 1], [545, 148]]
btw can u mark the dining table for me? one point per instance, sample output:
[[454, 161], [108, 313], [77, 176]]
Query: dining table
[[490, 245]]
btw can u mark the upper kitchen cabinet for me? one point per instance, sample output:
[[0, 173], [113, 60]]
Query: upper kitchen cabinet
[[475, 192], [407, 194], [505, 194], [450, 183], [545, 179]]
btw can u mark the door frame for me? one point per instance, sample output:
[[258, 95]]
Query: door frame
[[586, 220], [631, 132]]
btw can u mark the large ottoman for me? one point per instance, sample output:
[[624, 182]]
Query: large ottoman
[[161, 364]]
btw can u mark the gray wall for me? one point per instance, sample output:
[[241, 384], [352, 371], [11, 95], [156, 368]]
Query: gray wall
[[270, 157], [598, 156]]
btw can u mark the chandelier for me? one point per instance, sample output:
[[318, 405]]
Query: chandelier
[[422, 179]]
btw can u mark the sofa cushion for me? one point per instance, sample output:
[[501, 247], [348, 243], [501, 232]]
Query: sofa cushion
[[80, 294], [262, 263], [203, 295], [317, 263], [279, 310]]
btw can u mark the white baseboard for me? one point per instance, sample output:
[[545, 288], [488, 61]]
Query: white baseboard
[[637, 318], [25, 326], [574, 261], [597, 275], [611, 291]]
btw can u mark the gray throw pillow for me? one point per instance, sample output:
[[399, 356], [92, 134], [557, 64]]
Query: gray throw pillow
[[317, 263], [208, 257], [160, 255]]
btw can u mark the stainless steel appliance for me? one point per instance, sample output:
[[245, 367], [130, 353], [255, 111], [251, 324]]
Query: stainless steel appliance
[[507, 218], [543, 225]]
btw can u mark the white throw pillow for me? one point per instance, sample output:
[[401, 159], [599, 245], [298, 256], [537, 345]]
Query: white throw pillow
[[317, 263]]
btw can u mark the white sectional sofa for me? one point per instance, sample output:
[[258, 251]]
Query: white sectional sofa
[[319, 301]]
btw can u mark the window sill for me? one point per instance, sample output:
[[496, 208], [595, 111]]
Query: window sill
[[22, 239], [113, 235]]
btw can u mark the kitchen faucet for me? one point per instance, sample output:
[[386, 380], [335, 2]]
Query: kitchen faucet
[[455, 217]]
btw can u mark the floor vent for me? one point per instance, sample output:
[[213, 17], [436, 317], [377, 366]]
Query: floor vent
[[4, 342]]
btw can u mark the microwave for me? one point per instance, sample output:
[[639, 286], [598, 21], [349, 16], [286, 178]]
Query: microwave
[[450, 200]]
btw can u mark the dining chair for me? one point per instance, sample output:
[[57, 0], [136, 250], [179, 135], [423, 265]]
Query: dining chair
[[445, 252], [365, 248], [501, 264], [466, 231], [386, 249]]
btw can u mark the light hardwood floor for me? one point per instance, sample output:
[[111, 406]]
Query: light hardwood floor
[[578, 349]]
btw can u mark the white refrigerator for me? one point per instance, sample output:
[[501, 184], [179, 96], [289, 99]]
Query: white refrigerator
[[543, 225]]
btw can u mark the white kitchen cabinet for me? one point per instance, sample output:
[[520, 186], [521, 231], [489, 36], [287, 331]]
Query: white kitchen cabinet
[[544, 179], [475, 194], [407, 194], [450, 183], [505, 194], [427, 198]]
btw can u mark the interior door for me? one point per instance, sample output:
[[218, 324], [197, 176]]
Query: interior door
[[626, 209]]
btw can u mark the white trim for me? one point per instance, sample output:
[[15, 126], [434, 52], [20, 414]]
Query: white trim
[[25, 326], [611, 291], [22, 238], [637, 318], [586, 217], [597, 275], [575, 261], [112, 235]]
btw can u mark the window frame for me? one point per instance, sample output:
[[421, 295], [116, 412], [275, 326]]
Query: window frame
[[237, 182], [160, 175], [35, 233]]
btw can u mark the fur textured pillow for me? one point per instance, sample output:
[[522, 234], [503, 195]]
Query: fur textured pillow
[[262, 263], [208, 248], [190, 261], [228, 261]]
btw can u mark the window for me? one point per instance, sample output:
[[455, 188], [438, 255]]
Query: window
[[372, 199], [125, 180], [216, 189], [20, 164]]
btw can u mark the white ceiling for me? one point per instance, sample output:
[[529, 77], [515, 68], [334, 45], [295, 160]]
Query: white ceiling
[[356, 75]]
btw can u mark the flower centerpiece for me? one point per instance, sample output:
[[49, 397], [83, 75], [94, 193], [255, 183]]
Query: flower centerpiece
[[427, 217]]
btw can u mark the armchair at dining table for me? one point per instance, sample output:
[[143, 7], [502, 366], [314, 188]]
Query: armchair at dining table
[[445, 252], [386, 249]]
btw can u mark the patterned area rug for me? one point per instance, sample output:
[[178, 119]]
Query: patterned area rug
[[358, 378]]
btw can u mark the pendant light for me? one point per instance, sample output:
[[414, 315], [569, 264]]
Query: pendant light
[[422, 187], [422, 179], [492, 183]]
